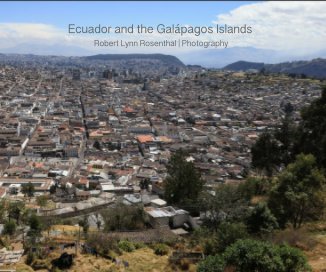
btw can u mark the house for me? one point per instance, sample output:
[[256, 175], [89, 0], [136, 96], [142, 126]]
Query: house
[[167, 216]]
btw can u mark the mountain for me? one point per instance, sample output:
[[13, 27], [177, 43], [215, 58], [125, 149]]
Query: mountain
[[218, 58], [244, 66], [314, 68], [166, 59]]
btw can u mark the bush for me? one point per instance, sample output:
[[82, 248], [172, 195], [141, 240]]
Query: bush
[[184, 264], [254, 186], [253, 255], [102, 243], [30, 258], [124, 217], [161, 249], [9, 228], [39, 264], [139, 245], [227, 234], [212, 264], [126, 245], [65, 261], [261, 220]]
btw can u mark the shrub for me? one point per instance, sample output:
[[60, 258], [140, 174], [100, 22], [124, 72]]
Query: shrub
[[139, 245], [161, 249], [184, 264], [126, 245], [102, 243], [65, 261], [253, 255], [227, 234], [30, 258], [9, 228], [39, 264], [261, 220], [123, 217], [212, 264]]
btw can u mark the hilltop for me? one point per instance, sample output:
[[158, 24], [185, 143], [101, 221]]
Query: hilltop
[[166, 59], [315, 68]]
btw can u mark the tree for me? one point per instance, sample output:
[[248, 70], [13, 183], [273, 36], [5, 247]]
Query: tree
[[84, 224], [254, 186], [285, 136], [225, 204], [35, 224], [300, 192], [97, 145], [3, 210], [42, 200], [266, 154], [311, 134], [184, 183], [288, 108], [261, 220], [15, 210], [28, 189], [226, 235], [53, 189], [98, 222], [9, 228], [144, 184]]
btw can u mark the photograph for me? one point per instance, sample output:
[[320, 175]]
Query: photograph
[[162, 136]]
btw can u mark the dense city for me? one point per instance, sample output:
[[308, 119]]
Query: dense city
[[81, 139]]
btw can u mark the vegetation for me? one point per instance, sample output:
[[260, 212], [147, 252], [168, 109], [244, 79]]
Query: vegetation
[[226, 235], [102, 243], [225, 204], [252, 255], [299, 194], [266, 154], [3, 210], [126, 245], [28, 189], [9, 228], [261, 220], [123, 217], [161, 249], [84, 224], [183, 184], [15, 211], [280, 146], [254, 186], [212, 264], [35, 224], [42, 200], [311, 132]]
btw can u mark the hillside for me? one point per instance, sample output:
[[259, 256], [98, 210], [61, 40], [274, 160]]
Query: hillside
[[244, 66], [166, 59], [314, 68]]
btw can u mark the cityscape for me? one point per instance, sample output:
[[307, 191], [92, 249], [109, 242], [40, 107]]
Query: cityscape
[[163, 159]]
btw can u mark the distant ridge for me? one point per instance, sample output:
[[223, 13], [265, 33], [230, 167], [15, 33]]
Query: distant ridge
[[167, 59], [244, 66], [315, 68]]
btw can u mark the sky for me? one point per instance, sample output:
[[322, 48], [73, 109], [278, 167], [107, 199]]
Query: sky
[[280, 25], [62, 13]]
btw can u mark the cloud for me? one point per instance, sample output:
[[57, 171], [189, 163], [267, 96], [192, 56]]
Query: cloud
[[282, 25], [287, 27]]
